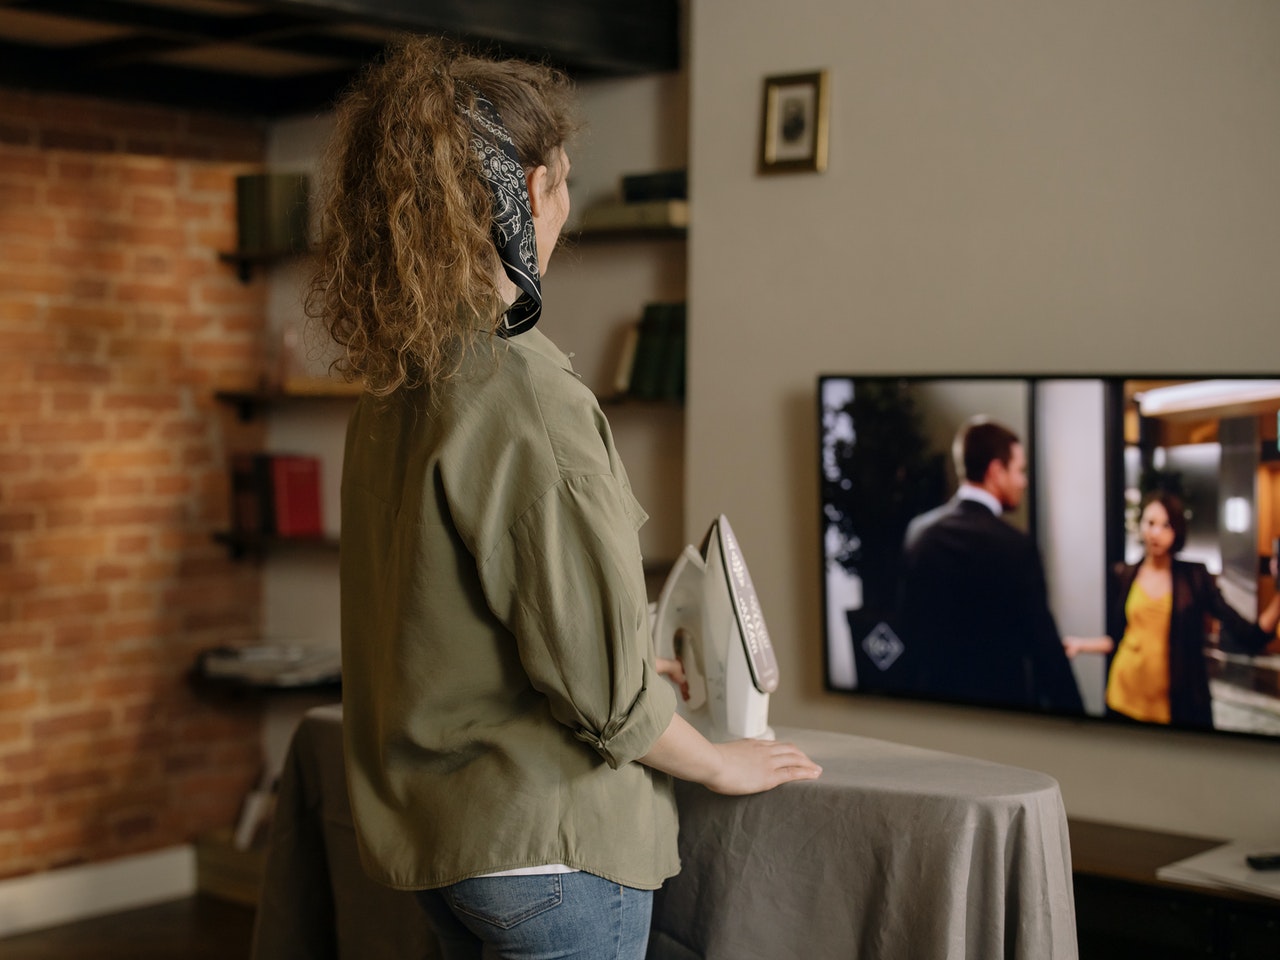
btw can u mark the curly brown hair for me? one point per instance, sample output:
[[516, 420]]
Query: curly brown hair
[[407, 270]]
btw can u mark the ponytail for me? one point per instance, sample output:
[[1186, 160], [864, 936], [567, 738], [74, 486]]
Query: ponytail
[[407, 271]]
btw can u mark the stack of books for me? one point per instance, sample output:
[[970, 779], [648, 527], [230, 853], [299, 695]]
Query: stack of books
[[651, 364], [650, 201], [275, 495]]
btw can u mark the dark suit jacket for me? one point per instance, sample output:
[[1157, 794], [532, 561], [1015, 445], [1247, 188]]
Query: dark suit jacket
[[1195, 596], [975, 613]]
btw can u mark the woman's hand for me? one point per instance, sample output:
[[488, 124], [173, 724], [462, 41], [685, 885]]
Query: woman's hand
[[738, 767], [753, 766], [1077, 645], [673, 670]]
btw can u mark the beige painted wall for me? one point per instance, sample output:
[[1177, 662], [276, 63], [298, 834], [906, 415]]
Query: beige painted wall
[[1014, 185], [594, 289]]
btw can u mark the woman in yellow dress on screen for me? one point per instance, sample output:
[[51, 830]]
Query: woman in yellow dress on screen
[[1158, 608]]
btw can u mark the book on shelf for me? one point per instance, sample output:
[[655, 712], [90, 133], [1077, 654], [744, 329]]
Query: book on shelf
[[641, 215], [251, 499], [295, 489], [659, 185], [653, 359], [626, 359], [671, 377], [275, 495]]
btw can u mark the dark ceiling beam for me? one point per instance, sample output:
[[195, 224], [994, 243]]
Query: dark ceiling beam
[[135, 16], [605, 36], [110, 53], [599, 36], [179, 26], [144, 47], [584, 37], [176, 86], [320, 45]]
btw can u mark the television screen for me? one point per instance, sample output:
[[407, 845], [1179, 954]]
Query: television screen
[[1116, 561]]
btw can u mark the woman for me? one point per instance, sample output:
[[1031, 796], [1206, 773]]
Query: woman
[[1158, 608], [507, 735]]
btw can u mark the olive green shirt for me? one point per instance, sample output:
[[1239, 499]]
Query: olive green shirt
[[498, 682]]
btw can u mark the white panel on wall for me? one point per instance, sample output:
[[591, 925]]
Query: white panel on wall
[[1071, 502]]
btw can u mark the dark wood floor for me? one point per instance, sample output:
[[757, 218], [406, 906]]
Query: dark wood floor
[[196, 928]]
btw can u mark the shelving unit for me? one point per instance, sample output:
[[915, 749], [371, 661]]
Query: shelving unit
[[1123, 910], [245, 262], [303, 415], [620, 267], [250, 403]]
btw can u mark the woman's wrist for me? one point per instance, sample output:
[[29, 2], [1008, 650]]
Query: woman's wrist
[[684, 753]]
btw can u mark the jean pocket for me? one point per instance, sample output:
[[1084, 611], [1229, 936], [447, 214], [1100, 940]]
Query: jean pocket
[[505, 902]]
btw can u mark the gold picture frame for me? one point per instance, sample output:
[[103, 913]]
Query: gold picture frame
[[793, 123]]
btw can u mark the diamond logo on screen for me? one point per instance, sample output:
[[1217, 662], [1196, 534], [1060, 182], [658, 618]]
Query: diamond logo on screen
[[882, 646]]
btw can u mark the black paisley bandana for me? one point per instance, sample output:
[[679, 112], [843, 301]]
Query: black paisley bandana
[[513, 233]]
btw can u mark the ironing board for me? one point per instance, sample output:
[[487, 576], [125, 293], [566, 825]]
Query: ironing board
[[896, 852]]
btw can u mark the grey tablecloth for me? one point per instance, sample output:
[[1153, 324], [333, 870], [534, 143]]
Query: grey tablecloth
[[895, 853]]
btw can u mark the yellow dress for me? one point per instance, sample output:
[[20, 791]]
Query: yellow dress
[[1138, 685]]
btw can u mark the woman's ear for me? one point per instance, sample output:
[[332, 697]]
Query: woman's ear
[[536, 182]]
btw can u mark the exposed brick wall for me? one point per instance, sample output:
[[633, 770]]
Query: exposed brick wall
[[117, 322]]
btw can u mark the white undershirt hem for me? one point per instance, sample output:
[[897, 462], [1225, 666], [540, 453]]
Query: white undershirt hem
[[533, 871]]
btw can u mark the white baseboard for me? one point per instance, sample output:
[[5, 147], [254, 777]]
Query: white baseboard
[[75, 893]]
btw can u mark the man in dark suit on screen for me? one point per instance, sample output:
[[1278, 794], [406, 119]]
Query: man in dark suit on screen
[[975, 608]]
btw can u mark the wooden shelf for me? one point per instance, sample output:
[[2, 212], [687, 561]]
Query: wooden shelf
[[296, 389], [302, 387], [623, 400], [245, 262], [233, 690], [243, 545], [640, 220], [629, 233]]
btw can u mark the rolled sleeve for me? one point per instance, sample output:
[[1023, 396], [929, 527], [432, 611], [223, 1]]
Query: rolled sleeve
[[568, 583], [630, 736]]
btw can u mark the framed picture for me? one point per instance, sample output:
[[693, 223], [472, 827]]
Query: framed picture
[[793, 123]]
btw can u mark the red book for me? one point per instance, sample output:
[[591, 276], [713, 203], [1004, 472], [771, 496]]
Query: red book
[[295, 486], [251, 495]]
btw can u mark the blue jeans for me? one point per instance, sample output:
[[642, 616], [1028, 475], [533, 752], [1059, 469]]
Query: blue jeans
[[540, 918]]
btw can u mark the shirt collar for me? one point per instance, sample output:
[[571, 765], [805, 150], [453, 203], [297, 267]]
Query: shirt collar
[[538, 342], [968, 491]]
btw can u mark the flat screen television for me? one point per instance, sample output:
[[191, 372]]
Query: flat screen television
[[1094, 445]]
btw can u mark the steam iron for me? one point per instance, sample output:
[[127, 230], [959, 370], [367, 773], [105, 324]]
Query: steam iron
[[708, 617]]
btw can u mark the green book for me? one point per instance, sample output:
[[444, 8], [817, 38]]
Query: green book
[[646, 370], [671, 378]]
